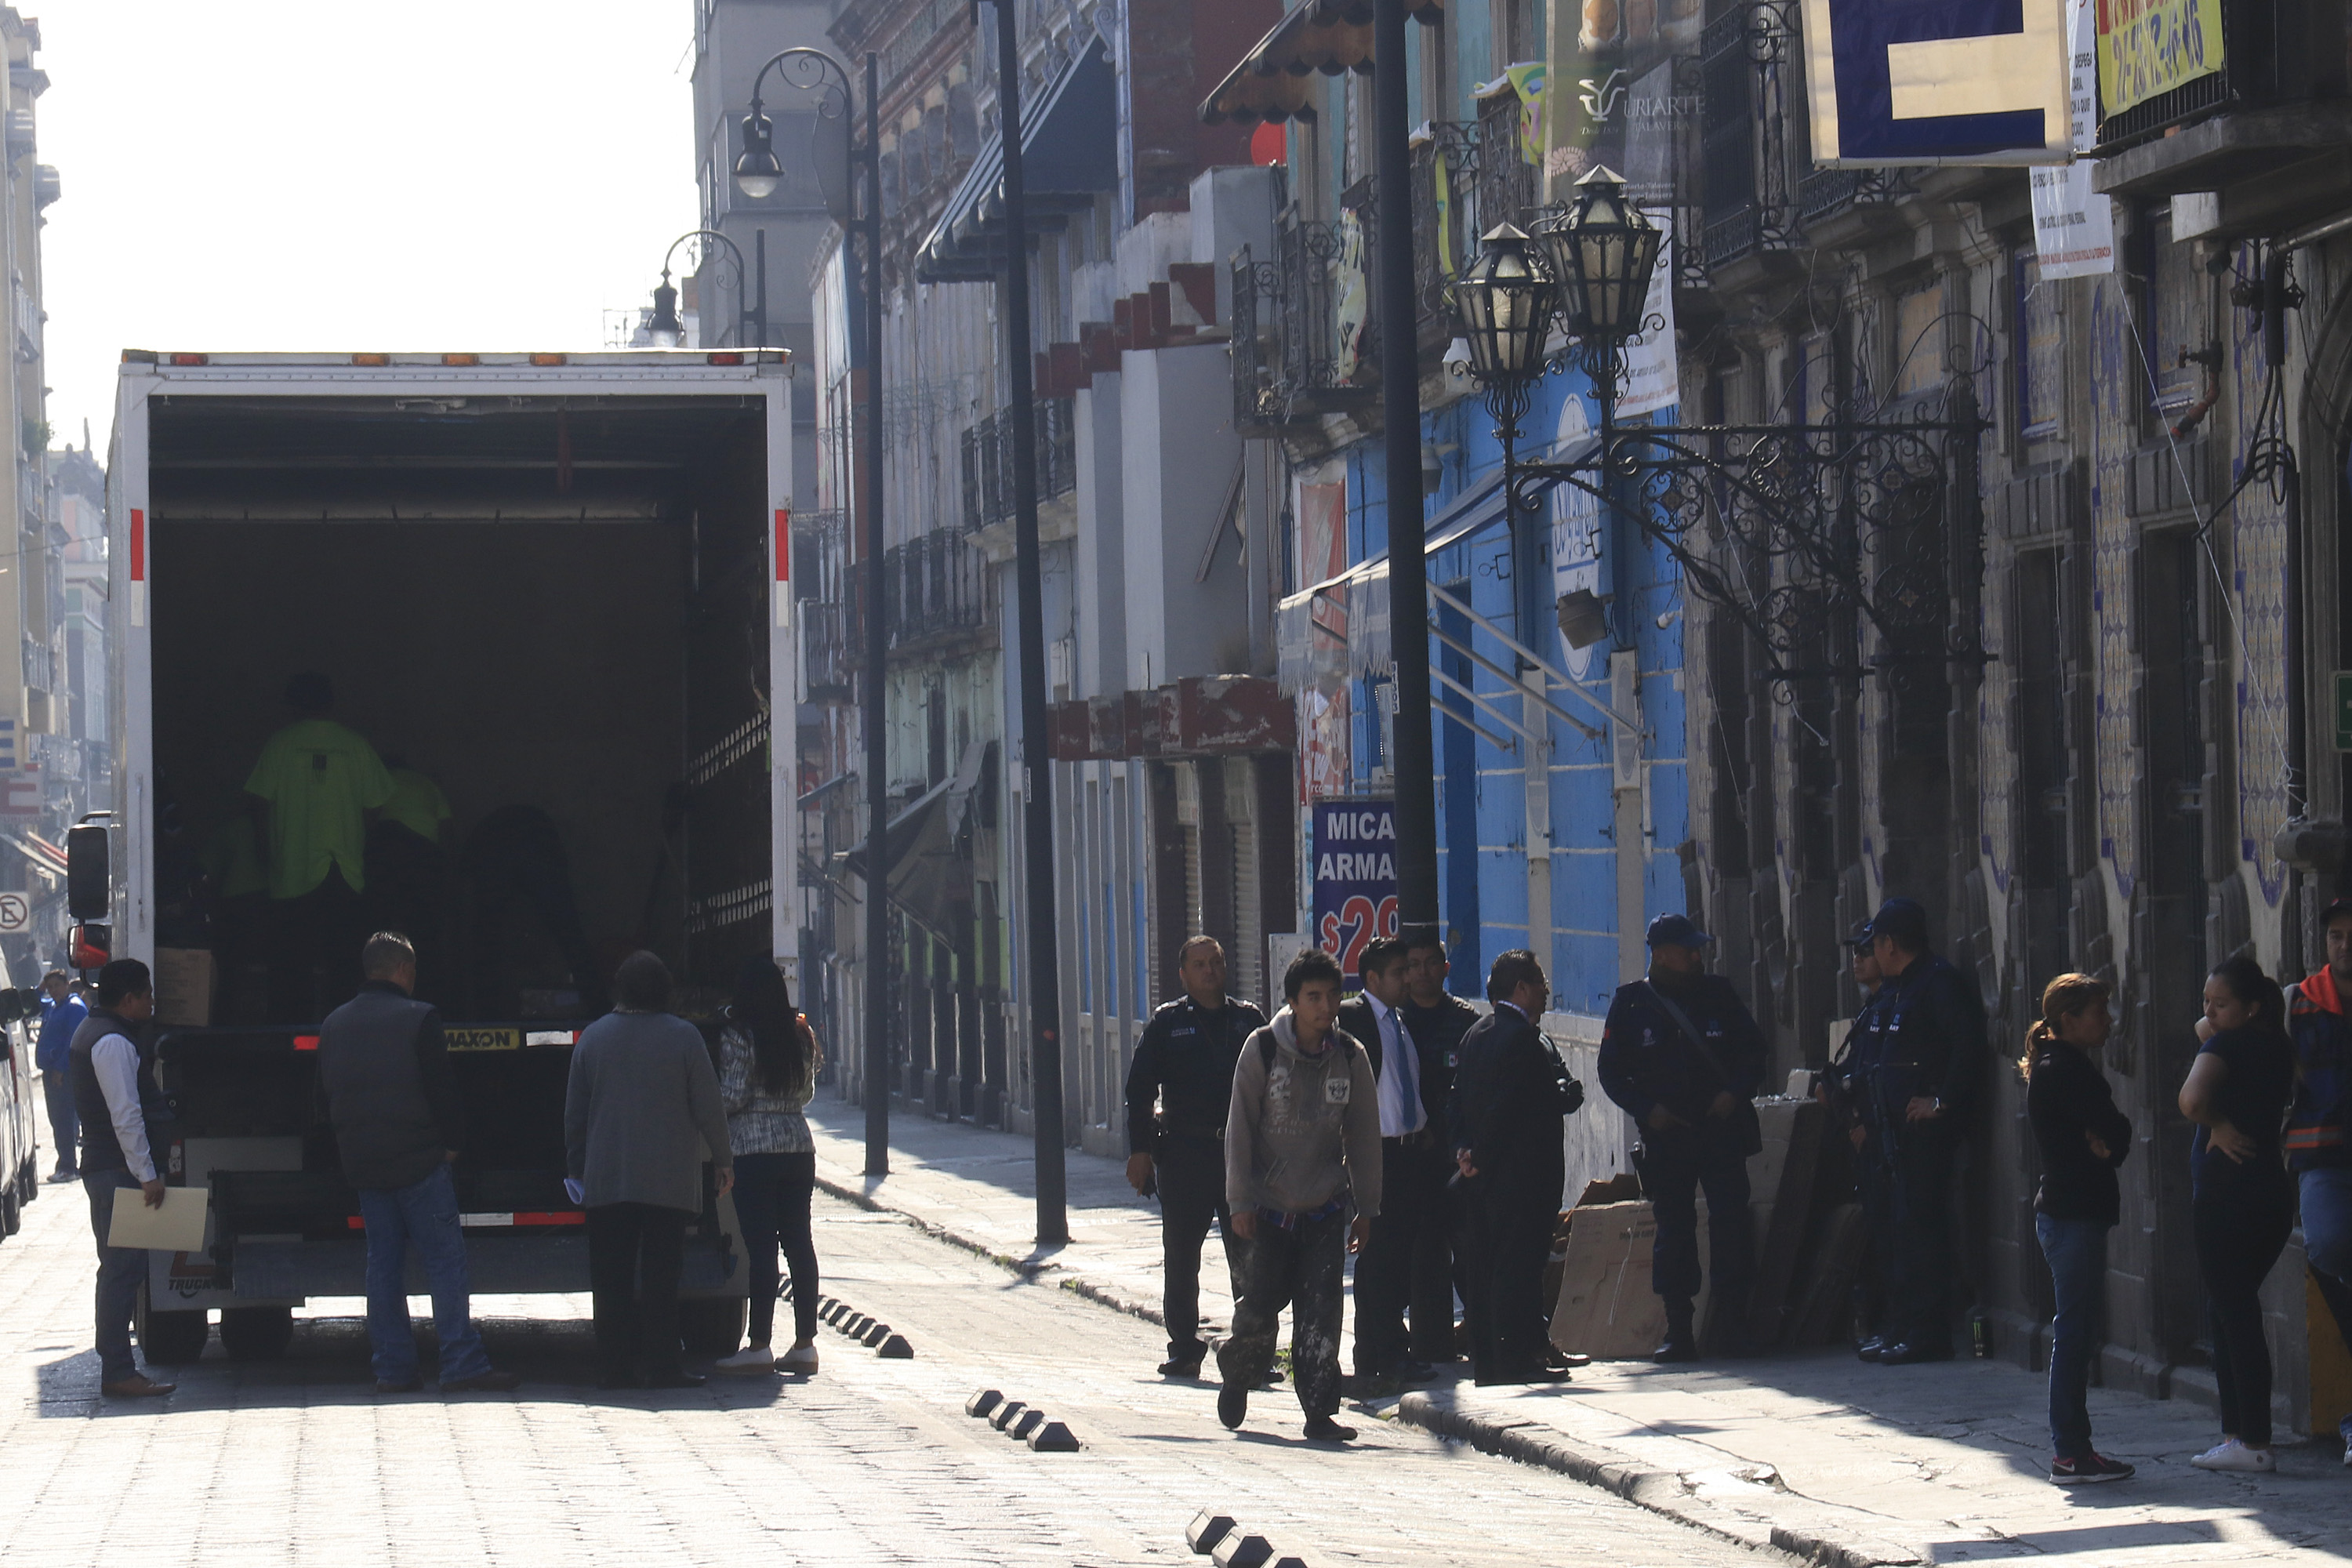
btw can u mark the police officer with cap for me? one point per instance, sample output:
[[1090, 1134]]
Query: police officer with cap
[[1681, 1055], [1845, 1089], [1184, 1066], [1921, 1059]]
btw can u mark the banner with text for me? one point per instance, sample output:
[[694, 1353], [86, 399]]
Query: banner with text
[[2074, 225], [2147, 48], [1355, 877]]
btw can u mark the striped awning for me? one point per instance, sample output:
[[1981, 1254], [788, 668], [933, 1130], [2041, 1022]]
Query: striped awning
[[1329, 37]]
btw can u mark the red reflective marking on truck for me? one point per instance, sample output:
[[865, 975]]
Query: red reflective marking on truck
[[306, 1042], [558, 1216], [137, 544], [784, 544]]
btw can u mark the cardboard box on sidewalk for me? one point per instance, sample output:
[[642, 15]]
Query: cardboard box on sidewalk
[[1606, 1307], [184, 986]]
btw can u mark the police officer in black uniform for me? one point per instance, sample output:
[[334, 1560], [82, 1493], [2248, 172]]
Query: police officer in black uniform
[[1438, 1020], [1681, 1055], [1923, 1059], [1184, 1065], [1845, 1089]]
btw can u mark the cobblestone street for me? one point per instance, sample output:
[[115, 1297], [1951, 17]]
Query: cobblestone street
[[872, 1461]]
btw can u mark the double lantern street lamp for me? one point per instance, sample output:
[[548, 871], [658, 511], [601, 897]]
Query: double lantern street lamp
[[757, 174]]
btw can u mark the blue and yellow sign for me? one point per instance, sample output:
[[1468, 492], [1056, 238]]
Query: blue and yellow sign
[[2147, 48], [1897, 82]]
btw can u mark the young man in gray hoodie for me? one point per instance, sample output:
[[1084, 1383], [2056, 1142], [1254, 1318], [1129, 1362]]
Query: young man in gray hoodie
[[1302, 1139]]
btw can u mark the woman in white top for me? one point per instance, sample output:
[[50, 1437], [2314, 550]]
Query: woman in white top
[[768, 1063]]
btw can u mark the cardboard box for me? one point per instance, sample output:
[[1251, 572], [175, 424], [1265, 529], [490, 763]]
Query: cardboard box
[[1605, 1308], [184, 983]]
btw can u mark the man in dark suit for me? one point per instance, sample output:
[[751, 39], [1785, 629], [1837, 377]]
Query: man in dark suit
[[1405, 1263], [1511, 1100], [1681, 1055]]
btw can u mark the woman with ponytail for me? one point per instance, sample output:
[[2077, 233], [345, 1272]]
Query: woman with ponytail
[[2241, 1199], [2082, 1137], [768, 1063]]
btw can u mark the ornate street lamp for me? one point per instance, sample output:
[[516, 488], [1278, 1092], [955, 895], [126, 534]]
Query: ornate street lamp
[[751, 313], [1505, 298], [758, 170], [666, 330], [1602, 252]]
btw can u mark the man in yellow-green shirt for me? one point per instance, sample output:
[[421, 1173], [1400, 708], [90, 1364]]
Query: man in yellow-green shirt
[[313, 786]]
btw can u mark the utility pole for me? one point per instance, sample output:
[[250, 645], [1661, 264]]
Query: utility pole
[[1416, 762], [877, 676], [1036, 764]]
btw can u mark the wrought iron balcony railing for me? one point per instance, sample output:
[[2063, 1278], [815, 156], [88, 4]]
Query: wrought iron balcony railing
[[1444, 223], [1305, 336], [936, 587], [988, 461], [2269, 52], [1510, 188], [1746, 61]]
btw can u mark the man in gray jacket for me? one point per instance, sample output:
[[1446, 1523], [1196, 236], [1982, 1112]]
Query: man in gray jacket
[[642, 1091], [1302, 1138]]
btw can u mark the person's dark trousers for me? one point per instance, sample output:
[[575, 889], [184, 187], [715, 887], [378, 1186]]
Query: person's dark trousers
[[120, 1271], [1923, 1236], [1406, 1263], [1881, 1285], [1302, 1267], [1515, 1225], [1675, 1169], [771, 1205], [1469, 1217], [65, 1122], [635, 1253], [1191, 1177], [422, 1216], [314, 965], [2077, 1250], [2240, 1236]]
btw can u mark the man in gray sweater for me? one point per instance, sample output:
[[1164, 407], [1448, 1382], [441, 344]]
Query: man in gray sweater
[[1302, 1138], [641, 1092]]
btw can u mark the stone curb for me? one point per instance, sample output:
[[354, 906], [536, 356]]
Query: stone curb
[[1660, 1491]]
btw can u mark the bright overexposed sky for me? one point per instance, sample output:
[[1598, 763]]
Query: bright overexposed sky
[[292, 174]]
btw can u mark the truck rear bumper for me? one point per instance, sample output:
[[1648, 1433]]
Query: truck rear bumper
[[501, 1266]]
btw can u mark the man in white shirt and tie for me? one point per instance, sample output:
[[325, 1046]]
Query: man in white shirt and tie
[[1405, 1261]]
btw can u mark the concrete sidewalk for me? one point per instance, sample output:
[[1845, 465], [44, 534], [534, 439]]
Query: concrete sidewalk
[[1835, 1461]]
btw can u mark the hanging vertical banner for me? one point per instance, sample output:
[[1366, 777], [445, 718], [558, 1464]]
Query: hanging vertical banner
[[2147, 48], [2074, 225], [1355, 877], [1652, 377], [1896, 82]]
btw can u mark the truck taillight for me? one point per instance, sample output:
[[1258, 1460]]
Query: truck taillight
[[461, 359], [550, 359], [306, 1042], [370, 360], [725, 356], [192, 359]]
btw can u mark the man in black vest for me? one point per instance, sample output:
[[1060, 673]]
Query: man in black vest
[[1184, 1065], [111, 1063], [1512, 1098], [385, 1066], [1406, 1259], [1680, 1055]]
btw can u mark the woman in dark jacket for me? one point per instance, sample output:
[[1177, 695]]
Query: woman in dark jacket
[[2242, 1201], [2082, 1138]]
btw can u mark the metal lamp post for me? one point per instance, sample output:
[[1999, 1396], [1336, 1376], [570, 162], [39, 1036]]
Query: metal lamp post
[[665, 325], [758, 171]]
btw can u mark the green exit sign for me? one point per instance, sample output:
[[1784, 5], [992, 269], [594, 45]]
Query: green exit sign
[[2344, 709]]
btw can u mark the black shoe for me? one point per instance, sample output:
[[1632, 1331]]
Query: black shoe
[[2091, 1467], [1232, 1406], [58, 1176], [1910, 1354], [1566, 1361], [676, 1377], [1681, 1343], [1323, 1429], [1871, 1349], [1181, 1366]]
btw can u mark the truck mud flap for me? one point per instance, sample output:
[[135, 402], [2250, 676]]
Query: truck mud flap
[[495, 1265]]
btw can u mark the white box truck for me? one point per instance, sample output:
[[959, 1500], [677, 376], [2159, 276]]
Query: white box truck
[[556, 585]]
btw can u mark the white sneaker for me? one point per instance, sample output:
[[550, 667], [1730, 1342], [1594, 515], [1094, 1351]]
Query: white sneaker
[[750, 1361], [2228, 1454], [800, 1358]]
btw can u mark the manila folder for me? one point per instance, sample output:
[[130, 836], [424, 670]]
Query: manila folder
[[177, 1226]]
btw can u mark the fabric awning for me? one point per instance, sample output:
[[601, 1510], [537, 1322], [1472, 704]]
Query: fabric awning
[[1340, 627], [927, 844], [1069, 151], [1327, 36]]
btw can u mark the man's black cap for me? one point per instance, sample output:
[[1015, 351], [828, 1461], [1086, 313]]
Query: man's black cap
[[1676, 931], [1859, 938], [1902, 919]]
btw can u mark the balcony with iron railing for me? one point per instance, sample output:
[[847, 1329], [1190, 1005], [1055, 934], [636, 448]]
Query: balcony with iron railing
[[1445, 225], [1306, 333], [936, 591], [1747, 74], [987, 492], [1510, 188]]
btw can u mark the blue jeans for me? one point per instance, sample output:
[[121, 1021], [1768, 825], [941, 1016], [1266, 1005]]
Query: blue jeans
[[120, 1271], [423, 1216], [2327, 1246], [2077, 1252], [65, 1117]]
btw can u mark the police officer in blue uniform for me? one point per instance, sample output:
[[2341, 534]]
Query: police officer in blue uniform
[[1919, 1065], [1680, 1054], [1180, 1088], [1845, 1089]]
